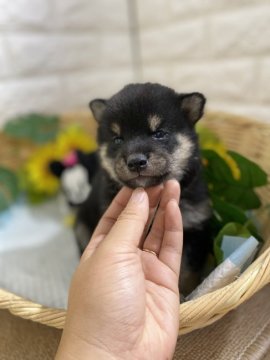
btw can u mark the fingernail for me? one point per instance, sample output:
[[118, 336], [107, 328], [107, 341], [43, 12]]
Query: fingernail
[[138, 195]]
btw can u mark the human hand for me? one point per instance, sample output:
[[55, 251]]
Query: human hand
[[123, 301]]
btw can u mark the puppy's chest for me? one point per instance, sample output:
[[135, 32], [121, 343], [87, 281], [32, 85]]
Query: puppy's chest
[[194, 214]]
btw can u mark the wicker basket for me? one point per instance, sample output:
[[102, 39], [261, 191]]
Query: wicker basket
[[244, 135]]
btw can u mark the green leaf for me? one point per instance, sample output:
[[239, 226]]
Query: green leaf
[[8, 188], [226, 212], [251, 174], [222, 183], [36, 127], [253, 230], [206, 136], [217, 169], [241, 196], [232, 229]]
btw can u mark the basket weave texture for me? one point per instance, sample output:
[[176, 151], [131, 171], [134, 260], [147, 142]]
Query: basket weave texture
[[246, 136]]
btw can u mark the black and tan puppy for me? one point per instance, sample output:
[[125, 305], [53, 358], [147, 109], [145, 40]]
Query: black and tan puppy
[[146, 136]]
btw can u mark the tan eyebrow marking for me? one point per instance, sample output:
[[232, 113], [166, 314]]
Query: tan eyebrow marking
[[116, 129], [154, 122]]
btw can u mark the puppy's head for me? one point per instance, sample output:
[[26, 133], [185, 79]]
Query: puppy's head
[[146, 133]]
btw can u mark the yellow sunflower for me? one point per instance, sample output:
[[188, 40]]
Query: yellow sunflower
[[74, 138], [38, 173]]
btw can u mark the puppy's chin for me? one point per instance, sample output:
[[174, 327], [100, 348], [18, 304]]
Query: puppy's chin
[[144, 181]]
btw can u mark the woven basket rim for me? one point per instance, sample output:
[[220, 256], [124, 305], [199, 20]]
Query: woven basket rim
[[193, 314], [210, 306]]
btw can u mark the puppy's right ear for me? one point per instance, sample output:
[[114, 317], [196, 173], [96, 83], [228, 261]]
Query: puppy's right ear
[[97, 107], [192, 106]]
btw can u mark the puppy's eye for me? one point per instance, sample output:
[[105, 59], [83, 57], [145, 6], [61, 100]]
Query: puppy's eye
[[118, 140], [159, 134]]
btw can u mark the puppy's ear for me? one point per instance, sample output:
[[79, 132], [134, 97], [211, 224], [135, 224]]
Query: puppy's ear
[[97, 107], [192, 106]]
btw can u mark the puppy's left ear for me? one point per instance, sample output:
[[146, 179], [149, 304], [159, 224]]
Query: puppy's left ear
[[97, 107], [192, 105]]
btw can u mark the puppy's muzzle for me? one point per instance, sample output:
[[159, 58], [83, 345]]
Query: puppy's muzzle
[[137, 162]]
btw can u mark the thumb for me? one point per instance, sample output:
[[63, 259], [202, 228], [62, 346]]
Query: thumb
[[130, 224]]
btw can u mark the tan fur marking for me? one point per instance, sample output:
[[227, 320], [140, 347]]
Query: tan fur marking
[[181, 155], [154, 122], [116, 129], [194, 215], [106, 163]]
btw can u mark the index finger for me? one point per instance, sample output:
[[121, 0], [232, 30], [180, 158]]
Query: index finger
[[107, 221], [111, 214], [117, 206]]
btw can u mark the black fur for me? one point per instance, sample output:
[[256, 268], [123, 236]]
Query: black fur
[[170, 151]]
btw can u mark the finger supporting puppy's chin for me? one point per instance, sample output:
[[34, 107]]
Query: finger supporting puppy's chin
[[172, 183]]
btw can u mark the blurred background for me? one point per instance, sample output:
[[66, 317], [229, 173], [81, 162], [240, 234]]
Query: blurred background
[[56, 55]]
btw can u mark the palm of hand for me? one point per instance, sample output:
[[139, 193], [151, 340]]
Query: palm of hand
[[139, 302], [133, 308]]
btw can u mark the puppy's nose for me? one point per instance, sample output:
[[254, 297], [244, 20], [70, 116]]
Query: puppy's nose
[[137, 162]]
